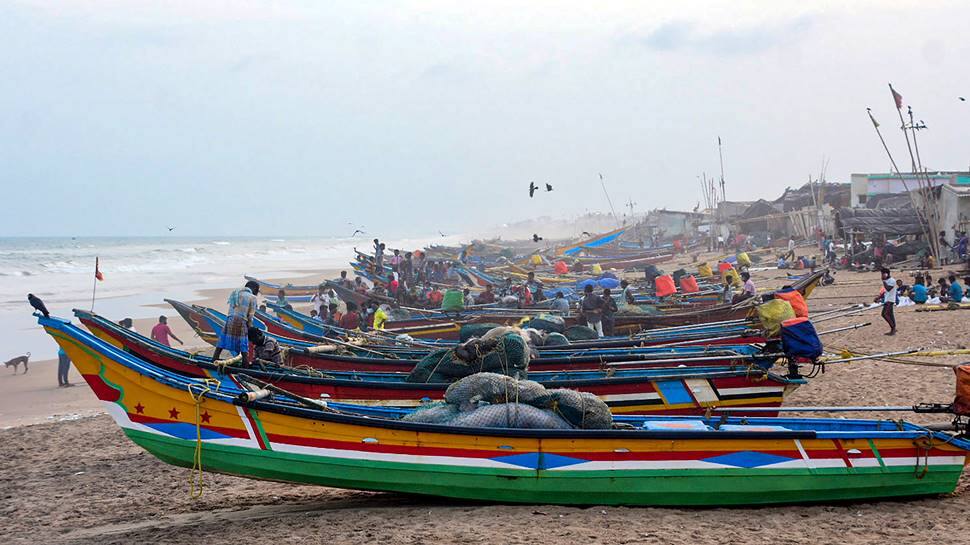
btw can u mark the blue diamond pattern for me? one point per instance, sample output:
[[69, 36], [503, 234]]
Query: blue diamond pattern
[[536, 460], [747, 459]]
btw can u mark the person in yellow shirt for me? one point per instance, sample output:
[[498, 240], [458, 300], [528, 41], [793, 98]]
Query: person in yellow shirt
[[380, 317]]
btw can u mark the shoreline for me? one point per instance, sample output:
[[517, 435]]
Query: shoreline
[[34, 398]]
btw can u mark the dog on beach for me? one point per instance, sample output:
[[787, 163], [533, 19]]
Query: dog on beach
[[15, 362]]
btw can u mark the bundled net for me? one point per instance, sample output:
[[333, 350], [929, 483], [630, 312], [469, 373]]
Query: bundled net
[[580, 333], [507, 354], [491, 400], [555, 339], [547, 323], [468, 331]]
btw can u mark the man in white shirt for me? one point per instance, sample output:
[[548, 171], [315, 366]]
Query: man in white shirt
[[889, 300], [790, 256]]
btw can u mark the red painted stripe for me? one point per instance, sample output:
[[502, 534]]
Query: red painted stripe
[[232, 432]]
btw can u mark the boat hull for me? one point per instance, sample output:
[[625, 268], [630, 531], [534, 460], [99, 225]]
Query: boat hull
[[204, 428]]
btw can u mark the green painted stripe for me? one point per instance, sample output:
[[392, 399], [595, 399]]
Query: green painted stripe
[[620, 487], [259, 427], [872, 445]]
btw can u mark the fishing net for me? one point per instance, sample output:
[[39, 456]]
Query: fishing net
[[468, 331], [509, 415], [434, 413], [549, 324], [483, 394], [580, 333], [494, 388], [508, 355], [581, 409], [555, 339]]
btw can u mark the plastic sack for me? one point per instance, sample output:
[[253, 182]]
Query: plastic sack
[[688, 284], [597, 269], [772, 314], [795, 299], [704, 270], [453, 301], [560, 267], [799, 339], [535, 260], [743, 259], [665, 286]]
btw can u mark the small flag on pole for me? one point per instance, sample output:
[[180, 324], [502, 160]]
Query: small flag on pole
[[97, 270], [897, 97], [874, 122]]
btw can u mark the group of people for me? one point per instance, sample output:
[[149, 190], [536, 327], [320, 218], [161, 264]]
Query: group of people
[[597, 311]]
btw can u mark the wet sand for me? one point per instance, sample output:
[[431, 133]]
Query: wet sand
[[82, 481]]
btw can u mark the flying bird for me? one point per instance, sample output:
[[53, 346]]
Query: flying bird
[[536, 238], [962, 99], [170, 229], [532, 189], [442, 234], [357, 232], [548, 188], [38, 305]]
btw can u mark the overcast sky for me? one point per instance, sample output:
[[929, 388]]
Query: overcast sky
[[293, 118]]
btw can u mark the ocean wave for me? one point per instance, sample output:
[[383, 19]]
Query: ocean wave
[[220, 243]]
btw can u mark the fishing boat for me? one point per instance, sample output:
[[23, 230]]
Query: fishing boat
[[666, 389], [660, 461], [400, 359]]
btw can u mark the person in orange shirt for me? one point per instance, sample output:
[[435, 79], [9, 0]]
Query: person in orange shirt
[[435, 297]]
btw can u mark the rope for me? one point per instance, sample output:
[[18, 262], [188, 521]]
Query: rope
[[195, 478]]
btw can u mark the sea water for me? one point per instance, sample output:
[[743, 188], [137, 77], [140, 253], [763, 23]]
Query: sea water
[[142, 271]]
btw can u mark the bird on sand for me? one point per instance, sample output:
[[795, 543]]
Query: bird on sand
[[38, 305], [536, 238], [532, 189], [548, 188]]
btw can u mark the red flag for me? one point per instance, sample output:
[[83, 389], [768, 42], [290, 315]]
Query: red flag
[[897, 97], [97, 270]]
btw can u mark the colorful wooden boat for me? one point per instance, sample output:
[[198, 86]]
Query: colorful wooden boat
[[662, 389], [665, 461]]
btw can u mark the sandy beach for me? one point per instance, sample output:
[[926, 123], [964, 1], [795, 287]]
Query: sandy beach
[[130, 497]]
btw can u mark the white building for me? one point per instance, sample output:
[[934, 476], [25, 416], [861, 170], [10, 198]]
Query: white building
[[867, 185]]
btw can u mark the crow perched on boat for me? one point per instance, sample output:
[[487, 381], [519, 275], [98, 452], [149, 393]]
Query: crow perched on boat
[[548, 188], [38, 305], [536, 238], [532, 189]]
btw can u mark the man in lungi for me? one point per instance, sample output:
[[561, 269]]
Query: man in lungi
[[234, 335]]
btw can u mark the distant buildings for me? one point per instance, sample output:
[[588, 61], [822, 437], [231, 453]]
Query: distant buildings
[[867, 186]]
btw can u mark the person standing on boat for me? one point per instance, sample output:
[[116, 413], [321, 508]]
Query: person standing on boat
[[467, 299], [395, 261], [234, 336], [281, 300], [161, 332], [350, 320], [560, 304], [265, 349], [609, 312], [627, 292], [381, 316], [889, 300], [379, 258], [487, 297], [592, 309], [321, 300], [790, 256], [345, 282]]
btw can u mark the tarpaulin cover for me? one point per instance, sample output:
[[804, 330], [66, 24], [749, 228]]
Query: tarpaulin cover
[[799, 339], [888, 221]]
